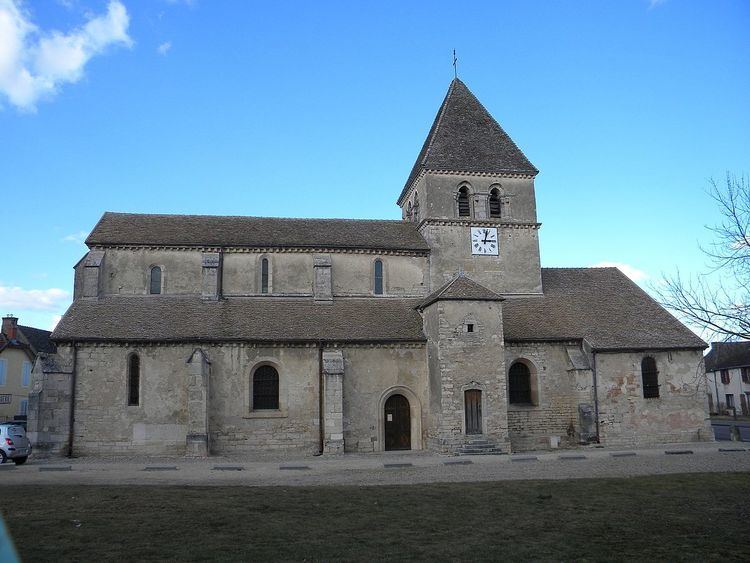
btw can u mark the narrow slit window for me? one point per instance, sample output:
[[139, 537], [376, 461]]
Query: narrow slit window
[[155, 287], [264, 275], [650, 377], [470, 327], [378, 285], [134, 380], [495, 207], [266, 388], [464, 209]]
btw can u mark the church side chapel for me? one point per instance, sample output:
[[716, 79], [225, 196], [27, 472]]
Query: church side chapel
[[202, 335]]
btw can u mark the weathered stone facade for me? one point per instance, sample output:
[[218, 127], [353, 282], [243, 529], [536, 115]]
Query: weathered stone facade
[[196, 335]]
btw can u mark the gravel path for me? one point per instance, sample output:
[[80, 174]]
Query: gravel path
[[381, 469]]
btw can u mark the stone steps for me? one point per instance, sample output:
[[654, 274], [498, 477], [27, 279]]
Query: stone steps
[[480, 447]]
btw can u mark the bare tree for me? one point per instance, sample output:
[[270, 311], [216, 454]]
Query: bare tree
[[718, 301]]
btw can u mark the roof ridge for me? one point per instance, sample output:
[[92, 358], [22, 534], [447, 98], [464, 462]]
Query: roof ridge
[[204, 216]]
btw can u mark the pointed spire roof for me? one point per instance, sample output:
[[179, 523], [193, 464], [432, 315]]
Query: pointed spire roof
[[460, 288], [465, 138]]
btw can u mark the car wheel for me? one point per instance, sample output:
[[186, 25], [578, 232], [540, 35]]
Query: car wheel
[[3, 457], [20, 460]]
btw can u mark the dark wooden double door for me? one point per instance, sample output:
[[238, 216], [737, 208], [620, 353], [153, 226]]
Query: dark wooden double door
[[397, 423]]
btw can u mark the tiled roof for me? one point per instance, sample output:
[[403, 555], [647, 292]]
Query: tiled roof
[[38, 339], [209, 230], [170, 318], [601, 305], [460, 288], [465, 138], [725, 355]]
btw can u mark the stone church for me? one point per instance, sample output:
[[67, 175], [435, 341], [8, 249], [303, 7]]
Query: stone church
[[204, 334]]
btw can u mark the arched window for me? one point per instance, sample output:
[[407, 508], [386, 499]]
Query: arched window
[[266, 388], [519, 384], [134, 380], [415, 210], [155, 285], [264, 275], [378, 281], [495, 206], [464, 208], [650, 377]]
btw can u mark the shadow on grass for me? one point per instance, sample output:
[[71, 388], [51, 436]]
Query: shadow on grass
[[696, 516]]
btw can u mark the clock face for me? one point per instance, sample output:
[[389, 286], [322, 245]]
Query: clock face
[[484, 241]]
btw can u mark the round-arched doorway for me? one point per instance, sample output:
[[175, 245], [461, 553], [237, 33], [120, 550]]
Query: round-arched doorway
[[397, 423]]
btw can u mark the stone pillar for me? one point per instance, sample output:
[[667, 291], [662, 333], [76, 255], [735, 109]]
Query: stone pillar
[[333, 402], [322, 285], [196, 443], [92, 266], [211, 289], [480, 205]]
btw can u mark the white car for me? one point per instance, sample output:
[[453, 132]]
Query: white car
[[13, 443]]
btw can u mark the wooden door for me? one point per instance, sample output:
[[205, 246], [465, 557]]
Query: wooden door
[[473, 408], [397, 423]]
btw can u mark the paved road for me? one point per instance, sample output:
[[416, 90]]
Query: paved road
[[722, 429], [383, 469]]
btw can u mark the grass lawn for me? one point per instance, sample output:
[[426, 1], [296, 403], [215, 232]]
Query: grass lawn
[[697, 516]]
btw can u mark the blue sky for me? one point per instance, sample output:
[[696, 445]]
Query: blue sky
[[318, 109]]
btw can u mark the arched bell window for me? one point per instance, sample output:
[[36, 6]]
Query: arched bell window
[[155, 283], [415, 209], [495, 205], [464, 207]]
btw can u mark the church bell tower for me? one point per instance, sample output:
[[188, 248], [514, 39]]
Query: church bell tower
[[471, 192]]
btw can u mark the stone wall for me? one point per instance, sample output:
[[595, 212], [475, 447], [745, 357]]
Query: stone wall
[[467, 361], [371, 375], [679, 414], [557, 390]]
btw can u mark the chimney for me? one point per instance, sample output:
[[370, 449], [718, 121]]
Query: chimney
[[10, 326]]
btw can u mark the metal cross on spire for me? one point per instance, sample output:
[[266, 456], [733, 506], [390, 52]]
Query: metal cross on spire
[[455, 65]]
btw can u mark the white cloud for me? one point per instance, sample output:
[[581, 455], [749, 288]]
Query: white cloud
[[17, 299], [632, 272], [53, 323], [164, 48], [34, 64], [78, 237]]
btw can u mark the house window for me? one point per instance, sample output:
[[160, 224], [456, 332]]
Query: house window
[[23, 407], [519, 384], [730, 400], [725, 379], [650, 377], [745, 375], [155, 285], [378, 281], [464, 207], [26, 374], [134, 380], [264, 275], [495, 203], [266, 388], [2, 371]]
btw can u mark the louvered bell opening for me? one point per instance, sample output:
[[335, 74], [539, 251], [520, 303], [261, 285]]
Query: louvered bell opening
[[494, 204], [463, 203]]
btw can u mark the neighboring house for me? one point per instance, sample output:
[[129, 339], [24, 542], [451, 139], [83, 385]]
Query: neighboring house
[[203, 334], [728, 378], [19, 346]]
